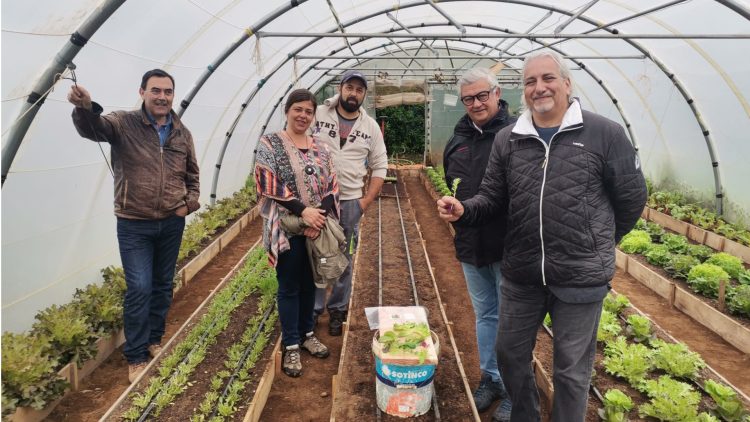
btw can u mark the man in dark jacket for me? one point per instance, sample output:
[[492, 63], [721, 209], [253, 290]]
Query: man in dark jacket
[[571, 184], [156, 186], [480, 248]]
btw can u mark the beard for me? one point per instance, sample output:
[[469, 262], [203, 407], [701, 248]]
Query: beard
[[350, 104]]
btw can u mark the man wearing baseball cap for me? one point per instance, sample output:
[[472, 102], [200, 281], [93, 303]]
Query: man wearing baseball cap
[[357, 145]]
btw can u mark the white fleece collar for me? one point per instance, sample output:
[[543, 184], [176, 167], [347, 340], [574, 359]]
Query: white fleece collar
[[573, 116]]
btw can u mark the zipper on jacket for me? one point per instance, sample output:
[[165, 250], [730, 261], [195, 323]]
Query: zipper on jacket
[[125, 196], [547, 148], [161, 185]]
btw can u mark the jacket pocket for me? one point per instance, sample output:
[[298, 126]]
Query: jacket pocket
[[587, 225], [125, 196]]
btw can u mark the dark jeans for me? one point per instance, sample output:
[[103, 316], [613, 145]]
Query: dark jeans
[[522, 310], [296, 294], [148, 250]]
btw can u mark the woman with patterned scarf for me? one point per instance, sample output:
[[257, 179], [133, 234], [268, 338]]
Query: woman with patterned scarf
[[294, 174]]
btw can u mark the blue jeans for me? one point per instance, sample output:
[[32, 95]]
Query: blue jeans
[[351, 213], [574, 346], [296, 294], [483, 284], [148, 250]]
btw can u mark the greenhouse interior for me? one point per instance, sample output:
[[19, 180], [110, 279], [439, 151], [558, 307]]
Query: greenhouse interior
[[673, 338]]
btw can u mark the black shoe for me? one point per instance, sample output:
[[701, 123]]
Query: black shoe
[[502, 411], [336, 322], [487, 392]]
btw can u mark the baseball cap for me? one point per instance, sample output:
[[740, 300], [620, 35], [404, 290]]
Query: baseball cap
[[353, 74]]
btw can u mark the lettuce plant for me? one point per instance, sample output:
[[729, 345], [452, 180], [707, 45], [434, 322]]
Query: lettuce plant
[[640, 224], [676, 243], [609, 327], [730, 263], [629, 361], [29, 373], [616, 406], [702, 252], [680, 265], [636, 241], [728, 405], [70, 334], [615, 304], [655, 231], [738, 300], [705, 279], [639, 327], [677, 360], [658, 255], [670, 400]]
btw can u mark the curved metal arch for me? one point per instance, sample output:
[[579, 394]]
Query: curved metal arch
[[670, 75], [217, 169]]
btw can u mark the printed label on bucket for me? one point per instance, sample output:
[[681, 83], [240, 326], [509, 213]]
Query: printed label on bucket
[[400, 374]]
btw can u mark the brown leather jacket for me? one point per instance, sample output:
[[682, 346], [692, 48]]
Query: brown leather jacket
[[151, 181]]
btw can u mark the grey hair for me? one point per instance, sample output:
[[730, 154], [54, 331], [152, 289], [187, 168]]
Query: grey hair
[[557, 58], [475, 75]]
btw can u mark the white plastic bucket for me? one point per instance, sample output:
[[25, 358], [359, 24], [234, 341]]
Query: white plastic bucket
[[404, 390]]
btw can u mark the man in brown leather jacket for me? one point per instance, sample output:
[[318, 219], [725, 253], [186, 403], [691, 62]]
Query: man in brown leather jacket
[[156, 186]]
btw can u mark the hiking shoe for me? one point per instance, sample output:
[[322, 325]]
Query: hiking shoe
[[292, 364], [154, 350], [336, 322], [314, 346], [502, 412], [135, 370], [487, 392]]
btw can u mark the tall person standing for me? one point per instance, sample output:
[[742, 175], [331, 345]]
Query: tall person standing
[[156, 179], [480, 248], [357, 145]]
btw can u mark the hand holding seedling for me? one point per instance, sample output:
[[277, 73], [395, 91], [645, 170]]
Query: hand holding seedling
[[450, 208]]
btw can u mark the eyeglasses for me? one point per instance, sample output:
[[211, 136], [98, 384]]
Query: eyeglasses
[[481, 96]]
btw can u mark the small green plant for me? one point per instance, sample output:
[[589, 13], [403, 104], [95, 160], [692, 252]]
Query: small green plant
[[609, 327], [680, 265], [658, 255], [677, 360], [637, 241], [705, 279], [70, 334], [728, 405], [616, 406], [629, 361], [702, 252], [655, 230], [744, 277], [676, 243], [640, 224], [454, 186], [730, 263], [29, 373], [671, 400], [406, 337], [547, 321], [738, 300], [615, 304], [639, 328]]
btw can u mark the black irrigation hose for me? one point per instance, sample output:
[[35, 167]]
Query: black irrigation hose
[[198, 343], [250, 346]]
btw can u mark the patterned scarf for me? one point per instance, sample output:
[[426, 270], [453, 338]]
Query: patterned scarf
[[280, 175]]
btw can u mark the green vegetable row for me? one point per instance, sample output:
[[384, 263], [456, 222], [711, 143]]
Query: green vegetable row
[[68, 333], [702, 267]]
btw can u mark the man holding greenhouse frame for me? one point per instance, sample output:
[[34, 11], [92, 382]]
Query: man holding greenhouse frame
[[156, 185], [571, 184], [480, 248]]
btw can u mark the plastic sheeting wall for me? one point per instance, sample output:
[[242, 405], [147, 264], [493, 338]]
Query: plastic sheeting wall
[[58, 230]]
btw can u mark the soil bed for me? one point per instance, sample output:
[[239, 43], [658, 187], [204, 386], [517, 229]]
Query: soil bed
[[102, 388]]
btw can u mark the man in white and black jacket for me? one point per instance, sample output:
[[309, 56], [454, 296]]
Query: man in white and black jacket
[[571, 184], [480, 248]]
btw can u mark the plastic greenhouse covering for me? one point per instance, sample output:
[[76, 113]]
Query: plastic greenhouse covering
[[675, 73]]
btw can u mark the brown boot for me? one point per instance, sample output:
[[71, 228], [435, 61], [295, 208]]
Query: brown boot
[[135, 370], [154, 350]]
